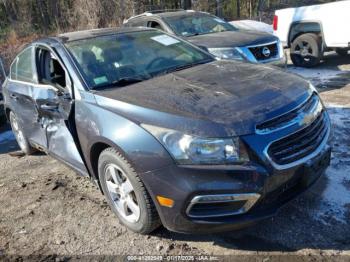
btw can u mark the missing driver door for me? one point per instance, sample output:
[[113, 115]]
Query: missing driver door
[[57, 110]]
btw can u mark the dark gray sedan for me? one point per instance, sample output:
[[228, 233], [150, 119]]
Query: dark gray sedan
[[168, 133]]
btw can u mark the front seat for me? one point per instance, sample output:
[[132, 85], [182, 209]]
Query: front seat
[[112, 63], [91, 66]]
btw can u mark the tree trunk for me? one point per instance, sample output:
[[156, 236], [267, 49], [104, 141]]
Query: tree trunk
[[238, 2], [11, 14], [43, 15], [260, 6], [219, 8], [186, 4]]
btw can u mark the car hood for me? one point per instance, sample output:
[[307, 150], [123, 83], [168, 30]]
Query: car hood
[[222, 98], [237, 38]]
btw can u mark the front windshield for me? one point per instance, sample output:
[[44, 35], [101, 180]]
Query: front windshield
[[198, 24], [124, 58]]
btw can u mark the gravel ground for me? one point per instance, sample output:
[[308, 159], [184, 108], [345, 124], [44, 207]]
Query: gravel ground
[[47, 210]]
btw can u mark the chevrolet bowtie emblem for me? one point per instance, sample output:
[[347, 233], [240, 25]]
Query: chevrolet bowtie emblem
[[307, 119]]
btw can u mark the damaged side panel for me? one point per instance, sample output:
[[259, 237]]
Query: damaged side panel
[[62, 145], [45, 112], [55, 107]]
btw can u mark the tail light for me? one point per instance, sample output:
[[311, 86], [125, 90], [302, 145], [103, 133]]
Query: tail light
[[275, 23]]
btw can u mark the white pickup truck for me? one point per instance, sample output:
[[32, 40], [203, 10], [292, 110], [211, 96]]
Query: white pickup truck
[[311, 30]]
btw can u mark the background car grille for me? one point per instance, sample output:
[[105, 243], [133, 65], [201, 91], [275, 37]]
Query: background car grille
[[299, 144], [257, 51]]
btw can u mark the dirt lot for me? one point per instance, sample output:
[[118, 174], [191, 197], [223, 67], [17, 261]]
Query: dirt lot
[[46, 209]]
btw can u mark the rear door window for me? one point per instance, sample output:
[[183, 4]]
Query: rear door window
[[155, 24], [22, 68]]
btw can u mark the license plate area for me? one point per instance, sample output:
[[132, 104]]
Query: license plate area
[[313, 169]]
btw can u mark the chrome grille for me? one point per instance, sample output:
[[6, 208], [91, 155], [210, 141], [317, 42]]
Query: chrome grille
[[300, 144], [289, 118], [260, 55]]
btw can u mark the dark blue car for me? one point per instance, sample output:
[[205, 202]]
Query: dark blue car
[[170, 135]]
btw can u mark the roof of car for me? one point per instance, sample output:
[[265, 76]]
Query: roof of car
[[80, 35], [168, 14], [176, 13]]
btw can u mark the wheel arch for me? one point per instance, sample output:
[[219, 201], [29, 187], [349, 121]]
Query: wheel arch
[[95, 151], [302, 27]]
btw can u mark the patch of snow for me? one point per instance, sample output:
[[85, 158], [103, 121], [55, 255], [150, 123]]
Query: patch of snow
[[6, 136], [319, 75], [336, 195], [252, 25], [340, 116]]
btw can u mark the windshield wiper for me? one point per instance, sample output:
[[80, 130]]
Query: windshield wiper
[[124, 81], [181, 67], [193, 34]]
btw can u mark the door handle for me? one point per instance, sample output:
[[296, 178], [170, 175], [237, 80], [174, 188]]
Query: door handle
[[14, 97], [49, 107]]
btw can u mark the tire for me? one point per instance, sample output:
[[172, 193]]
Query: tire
[[342, 51], [20, 136], [121, 198], [306, 50]]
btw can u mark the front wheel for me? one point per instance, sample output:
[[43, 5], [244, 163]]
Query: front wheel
[[125, 193], [20, 136], [306, 50]]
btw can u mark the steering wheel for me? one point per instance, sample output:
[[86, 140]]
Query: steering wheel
[[157, 61], [125, 71]]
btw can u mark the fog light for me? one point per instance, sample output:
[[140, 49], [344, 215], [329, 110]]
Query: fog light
[[164, 201]]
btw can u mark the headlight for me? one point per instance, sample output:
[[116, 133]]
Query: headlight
[[227, 53], [187, 149]]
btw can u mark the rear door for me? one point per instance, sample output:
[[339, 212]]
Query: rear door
[[54, 99], [21, 86]]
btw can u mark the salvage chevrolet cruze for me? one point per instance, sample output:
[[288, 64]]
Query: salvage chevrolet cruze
[[170, 135]]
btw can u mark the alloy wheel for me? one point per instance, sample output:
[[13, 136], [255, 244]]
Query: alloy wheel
[[122, 193]]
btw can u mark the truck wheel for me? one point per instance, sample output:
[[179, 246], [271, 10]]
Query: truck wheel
[[125, 193], [342, 51], [306, 50], [20, 136]]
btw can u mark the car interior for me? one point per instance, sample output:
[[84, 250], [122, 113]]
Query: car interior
[[50, 71], [154, 24]]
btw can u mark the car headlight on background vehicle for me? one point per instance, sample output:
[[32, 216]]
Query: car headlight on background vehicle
[[187, 149], [227, 53]]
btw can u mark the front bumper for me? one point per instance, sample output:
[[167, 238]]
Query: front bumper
[[280, 61], [182, 184]]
